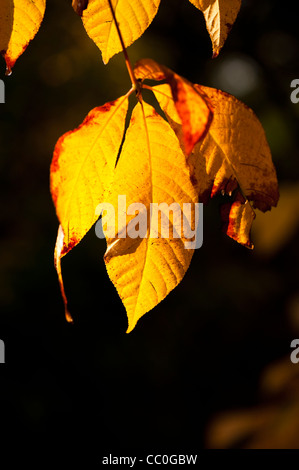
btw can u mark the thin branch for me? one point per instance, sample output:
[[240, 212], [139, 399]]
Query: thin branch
[[127, 60]]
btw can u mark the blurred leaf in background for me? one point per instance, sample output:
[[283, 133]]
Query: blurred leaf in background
[[274, 424]]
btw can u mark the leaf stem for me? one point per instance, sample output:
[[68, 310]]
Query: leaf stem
[[127, 60]]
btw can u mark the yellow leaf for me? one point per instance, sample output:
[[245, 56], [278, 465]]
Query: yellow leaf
[[151, 169], [234, 155], [190, 103], [19, 22], [133, 17], [220, 16], [82, 167], [81, 171]]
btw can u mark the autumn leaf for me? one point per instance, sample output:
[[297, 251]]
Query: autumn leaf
[[151, 169], [82, 167], [190, 104], [19, 22], [220, 16], [234, 156], [237, 219], [237, 135], [133, 17], [21, 19], [81, 171]]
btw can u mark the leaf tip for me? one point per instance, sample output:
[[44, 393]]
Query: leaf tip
[[68, 316], [131, 325], [129, 329], [105, 58], [9, 63]]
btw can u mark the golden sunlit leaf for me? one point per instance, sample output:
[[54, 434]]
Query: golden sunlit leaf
[[190, 103], [19, 22], [133, 17], [151, 169], [220, 16], [82, 167], [234, 155], [82, 170]]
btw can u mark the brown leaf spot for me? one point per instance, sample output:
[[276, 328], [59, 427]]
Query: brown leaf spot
[[106, 107], [93, 114], [79, 6], [154, 113], [160, 76], [55, 159], [9, 62], [54, 193], [73, 241], [87, 121], [193, 179], [57, 151]]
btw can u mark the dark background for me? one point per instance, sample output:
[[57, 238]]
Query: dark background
[[89, 389]]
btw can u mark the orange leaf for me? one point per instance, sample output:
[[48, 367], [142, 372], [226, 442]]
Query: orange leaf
[[236, 149], [237, 220], [234, 154], [191, 105]]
